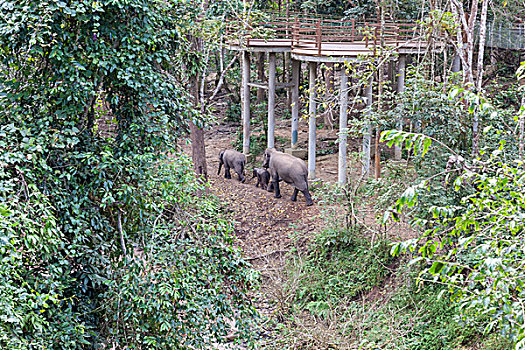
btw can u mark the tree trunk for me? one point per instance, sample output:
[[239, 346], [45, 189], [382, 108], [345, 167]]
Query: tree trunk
[[521, 127], [482, 34], [198, 149], [329, 84], [465, 40], [260, 76], [481, 52]]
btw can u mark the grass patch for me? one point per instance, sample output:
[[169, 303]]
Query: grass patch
[[341, 264], [347, 294]]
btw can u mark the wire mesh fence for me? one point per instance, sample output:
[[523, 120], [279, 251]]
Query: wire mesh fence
[[504, 35]]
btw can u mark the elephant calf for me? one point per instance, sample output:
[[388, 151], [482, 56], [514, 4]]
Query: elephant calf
[[292, 170], [263, 177], [232, 159]]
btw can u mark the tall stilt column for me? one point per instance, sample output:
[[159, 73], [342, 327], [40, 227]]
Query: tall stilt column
[[343, 118], [296, 67], [245, 94], [400, 88], [271, 99], [312, 110], [367, 133]]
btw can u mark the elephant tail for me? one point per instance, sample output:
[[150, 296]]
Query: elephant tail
[[306, 180]]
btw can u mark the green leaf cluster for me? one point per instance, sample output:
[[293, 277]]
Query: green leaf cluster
[[106, 238]]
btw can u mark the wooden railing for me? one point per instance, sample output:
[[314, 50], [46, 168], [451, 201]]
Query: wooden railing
[[312, 33]]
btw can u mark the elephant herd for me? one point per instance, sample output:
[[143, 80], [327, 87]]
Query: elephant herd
[[277, 166]]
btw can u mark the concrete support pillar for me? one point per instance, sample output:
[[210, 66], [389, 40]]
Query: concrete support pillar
[[312, 110], [456, 64], [296, 67], [271, 99], [400, 88], [245, 96], [343, 118], [367, 132]]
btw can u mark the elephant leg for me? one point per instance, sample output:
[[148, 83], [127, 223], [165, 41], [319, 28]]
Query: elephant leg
[[308, 197], [269, 188], [227, 174], [241, 177], [239, 170], [258, 182], [294, 195], [276, 186]]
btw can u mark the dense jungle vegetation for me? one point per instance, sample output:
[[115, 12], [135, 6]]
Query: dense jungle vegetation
[[110, 237]]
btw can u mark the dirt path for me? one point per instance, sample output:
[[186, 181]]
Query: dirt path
[[266, 228], [263, 224]]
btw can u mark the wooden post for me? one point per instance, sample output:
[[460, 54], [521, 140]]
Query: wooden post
[[390, 73], [367, 133], [296, 67], [271, 99], [312, 109], [401, 73], [400, 88], [343, 117], [245, 95]]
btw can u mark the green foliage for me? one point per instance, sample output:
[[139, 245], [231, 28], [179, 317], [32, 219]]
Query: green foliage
[[417, 317], [395, 178], [474, 247], [92, 245], [430, 109], [233, 113], [341, 265], [188, 280]]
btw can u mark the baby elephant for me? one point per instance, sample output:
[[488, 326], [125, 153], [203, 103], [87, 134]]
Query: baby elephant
[[263, 177], [232, 159]]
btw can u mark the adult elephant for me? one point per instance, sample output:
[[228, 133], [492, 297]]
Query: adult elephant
[[292, 170], [232, 159]]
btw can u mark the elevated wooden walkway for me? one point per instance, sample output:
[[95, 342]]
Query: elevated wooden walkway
[[317, 40], [326, 40], [322, 40]]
